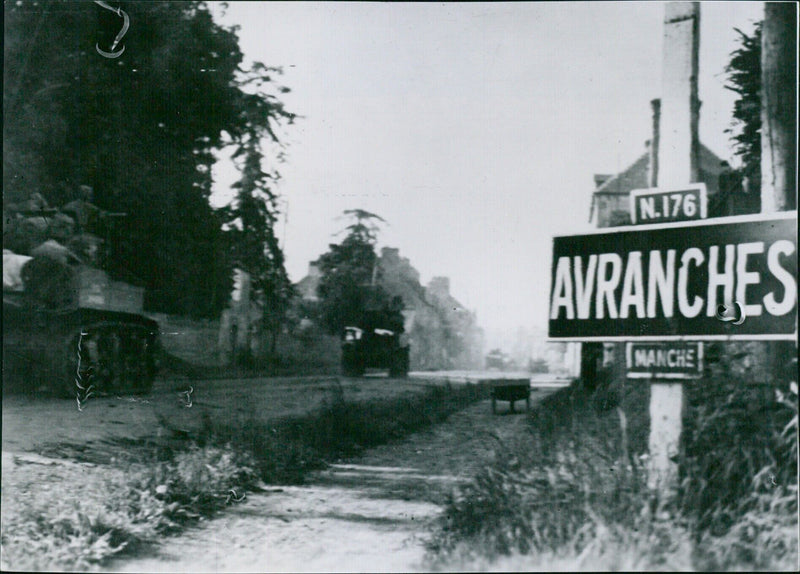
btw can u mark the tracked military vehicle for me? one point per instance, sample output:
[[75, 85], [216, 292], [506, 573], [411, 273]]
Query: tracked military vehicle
[[67, 325], [364, 349]]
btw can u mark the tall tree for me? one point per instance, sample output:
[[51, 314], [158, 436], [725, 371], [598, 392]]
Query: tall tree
[[252, 218], [350, 288], [142, 129], [744, 78]]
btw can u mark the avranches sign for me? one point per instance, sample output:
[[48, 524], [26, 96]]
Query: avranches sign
[[670, 281]]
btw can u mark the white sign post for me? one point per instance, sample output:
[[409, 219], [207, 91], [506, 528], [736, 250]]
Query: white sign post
[[677, 161]]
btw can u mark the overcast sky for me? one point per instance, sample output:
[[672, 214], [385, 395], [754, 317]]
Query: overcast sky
[[473, 129]]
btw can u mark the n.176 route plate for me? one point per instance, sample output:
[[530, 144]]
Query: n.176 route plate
[[661, 206]]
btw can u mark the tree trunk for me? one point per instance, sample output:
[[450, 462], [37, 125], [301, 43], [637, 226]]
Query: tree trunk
[[778, 133], [591, 356], [273, 342], [778, 107]]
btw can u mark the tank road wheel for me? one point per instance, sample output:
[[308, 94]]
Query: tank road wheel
[[351, 365], [399, 366], [138, 371], [108, 359], [124, 364], [352, 370], [109, 365], [130, 369], [99, 360], [394, 367]]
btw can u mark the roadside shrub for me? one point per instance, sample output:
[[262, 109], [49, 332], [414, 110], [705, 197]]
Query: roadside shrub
[[739, 473], [195, 483], [572, 495], [735, 433], [762, 535], [71, 534], [657, 545], [572, 472]]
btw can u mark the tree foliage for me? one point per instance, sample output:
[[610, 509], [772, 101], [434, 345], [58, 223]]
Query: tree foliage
[[744, 78], [365, 227], [252, 218], [350, 289], [142, 130]]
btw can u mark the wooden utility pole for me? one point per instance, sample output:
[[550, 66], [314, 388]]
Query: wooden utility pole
[[779, 107], [677, 166], [779, 135]]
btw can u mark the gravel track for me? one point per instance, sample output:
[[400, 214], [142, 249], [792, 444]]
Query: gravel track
[[367, 514]]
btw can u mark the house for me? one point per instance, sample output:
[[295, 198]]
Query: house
[[239, 323], [443, 333], [307, 286], [727, 195]]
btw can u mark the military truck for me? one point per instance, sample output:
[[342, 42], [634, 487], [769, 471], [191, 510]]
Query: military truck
[[364, 349], [66, 324]]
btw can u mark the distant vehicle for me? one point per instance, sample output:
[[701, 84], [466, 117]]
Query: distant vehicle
[[373, 349], [497, 360], [538, 366]]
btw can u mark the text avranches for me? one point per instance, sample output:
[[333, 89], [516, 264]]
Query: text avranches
[[656, 283]]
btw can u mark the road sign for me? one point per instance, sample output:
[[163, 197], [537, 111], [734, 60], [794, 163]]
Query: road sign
[[671, 281], [670, 360], [662, 206]]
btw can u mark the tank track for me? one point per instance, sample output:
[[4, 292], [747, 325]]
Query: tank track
[[109, 357]]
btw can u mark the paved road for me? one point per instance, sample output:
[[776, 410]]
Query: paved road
[[538, 380]]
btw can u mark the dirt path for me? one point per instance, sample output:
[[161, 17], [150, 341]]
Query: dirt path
[[369, 515]]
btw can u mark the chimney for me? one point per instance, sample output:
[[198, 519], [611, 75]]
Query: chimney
[[600, 179], [439, 286], [391, 254], [652, 165]]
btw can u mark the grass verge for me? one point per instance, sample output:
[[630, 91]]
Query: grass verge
[[571, 493], [286, 449]]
